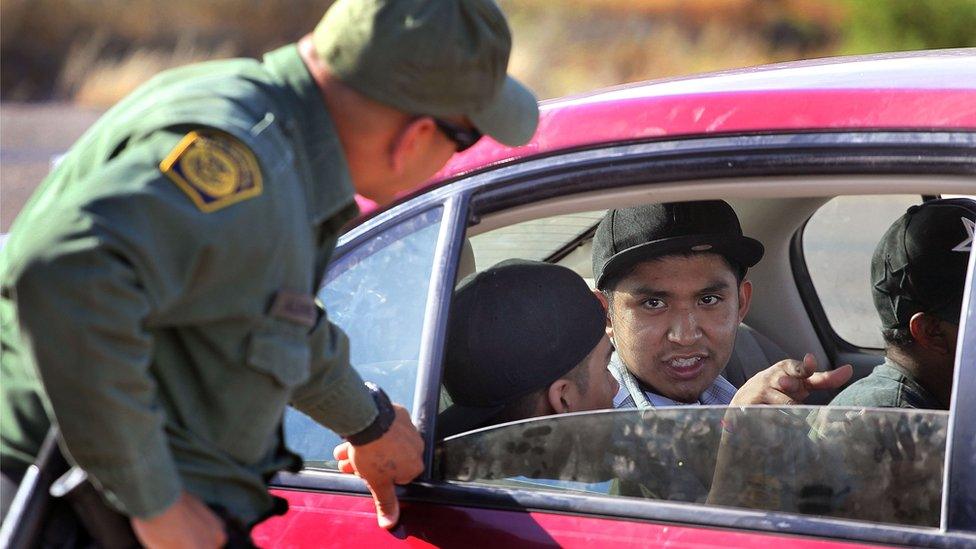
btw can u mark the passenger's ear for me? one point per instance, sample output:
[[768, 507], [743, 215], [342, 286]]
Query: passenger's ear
[[745, 298], [606, 309], [560, 399], [410, 142], [929, 332]]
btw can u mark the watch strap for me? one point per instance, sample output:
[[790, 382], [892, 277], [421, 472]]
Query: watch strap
[[384, 418]]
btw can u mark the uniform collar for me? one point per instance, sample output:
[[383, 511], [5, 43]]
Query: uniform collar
[[308, 123]]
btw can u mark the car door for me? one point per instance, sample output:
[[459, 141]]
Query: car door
[[328, 507]]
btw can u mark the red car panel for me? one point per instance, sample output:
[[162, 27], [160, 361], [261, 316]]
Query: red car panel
[[322, 519], [592, 123]]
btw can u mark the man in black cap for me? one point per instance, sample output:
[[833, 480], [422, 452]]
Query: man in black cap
[[671, 277], [918, 275], [526, 339]]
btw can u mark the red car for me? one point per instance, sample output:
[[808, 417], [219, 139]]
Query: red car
[[817, 158]]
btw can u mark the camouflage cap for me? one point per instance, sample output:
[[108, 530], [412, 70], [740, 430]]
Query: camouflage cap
[[433, 57]]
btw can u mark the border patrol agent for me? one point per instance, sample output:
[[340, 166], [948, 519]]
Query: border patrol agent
[[157, 290]]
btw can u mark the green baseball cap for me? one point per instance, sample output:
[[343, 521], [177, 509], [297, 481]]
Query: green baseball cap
[[433, 57]]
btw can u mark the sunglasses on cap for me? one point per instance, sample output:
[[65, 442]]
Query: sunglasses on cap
[[463, 138]]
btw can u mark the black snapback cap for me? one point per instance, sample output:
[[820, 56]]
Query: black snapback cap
[[920, 263], [514, 329], [627, 236]]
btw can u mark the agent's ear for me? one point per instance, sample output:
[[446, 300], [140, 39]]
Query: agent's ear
[[410, 142], [745, 298], [559, 396], [606, 309], [929, 333]]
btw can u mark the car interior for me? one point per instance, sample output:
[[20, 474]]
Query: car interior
[[811, 294], [779, 322]]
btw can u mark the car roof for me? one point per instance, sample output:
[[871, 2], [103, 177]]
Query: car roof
[[908, 90], [929, 90]]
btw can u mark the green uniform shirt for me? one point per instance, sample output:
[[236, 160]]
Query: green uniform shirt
[[157, 289]]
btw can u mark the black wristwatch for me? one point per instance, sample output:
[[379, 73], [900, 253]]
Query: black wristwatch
[[383, 421]]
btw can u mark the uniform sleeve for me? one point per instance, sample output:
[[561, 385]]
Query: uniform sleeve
[[334, 395], [86, 280]]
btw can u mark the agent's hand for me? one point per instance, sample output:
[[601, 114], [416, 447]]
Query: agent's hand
[[397, 457], [186, 523], [790, 382]]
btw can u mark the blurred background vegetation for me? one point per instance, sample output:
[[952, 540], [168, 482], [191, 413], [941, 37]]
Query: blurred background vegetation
[[92, 52]]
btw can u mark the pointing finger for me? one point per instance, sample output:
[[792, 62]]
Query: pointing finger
[[831, 379], [387, 506]]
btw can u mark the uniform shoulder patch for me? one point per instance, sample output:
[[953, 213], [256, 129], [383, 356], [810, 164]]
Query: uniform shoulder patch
[[214, 169]]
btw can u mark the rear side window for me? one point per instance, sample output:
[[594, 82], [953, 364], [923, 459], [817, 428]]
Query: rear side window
[[838, 242], [555, 239]]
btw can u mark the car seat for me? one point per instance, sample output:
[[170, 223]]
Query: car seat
[[752, 353]]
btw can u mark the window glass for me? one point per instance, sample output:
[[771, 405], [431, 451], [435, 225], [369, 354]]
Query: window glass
[[838, 242], [869, 464], [377, 294], [537, 239]]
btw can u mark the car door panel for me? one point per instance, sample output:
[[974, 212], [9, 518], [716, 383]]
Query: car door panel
[[319, 519]]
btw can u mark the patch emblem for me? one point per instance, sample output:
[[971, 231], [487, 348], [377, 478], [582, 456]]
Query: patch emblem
[[295, 307], [214, 169]]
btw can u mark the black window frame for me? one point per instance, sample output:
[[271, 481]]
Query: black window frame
[[838, 349], [645, 162]]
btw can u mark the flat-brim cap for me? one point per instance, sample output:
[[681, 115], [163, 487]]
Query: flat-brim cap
[[628, 236], [514, 329], [920, 263], [430, 57]]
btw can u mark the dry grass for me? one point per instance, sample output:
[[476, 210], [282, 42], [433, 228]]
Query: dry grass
[[51, 48], [95, 51], [100, 82], [568, 47]]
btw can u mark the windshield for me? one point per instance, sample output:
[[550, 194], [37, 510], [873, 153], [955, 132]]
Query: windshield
[[882, 465]]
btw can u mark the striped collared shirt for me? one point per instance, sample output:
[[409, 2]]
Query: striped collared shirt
[[632, 395]]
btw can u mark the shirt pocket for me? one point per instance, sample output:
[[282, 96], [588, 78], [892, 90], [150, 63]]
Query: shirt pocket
[[277, 361]]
